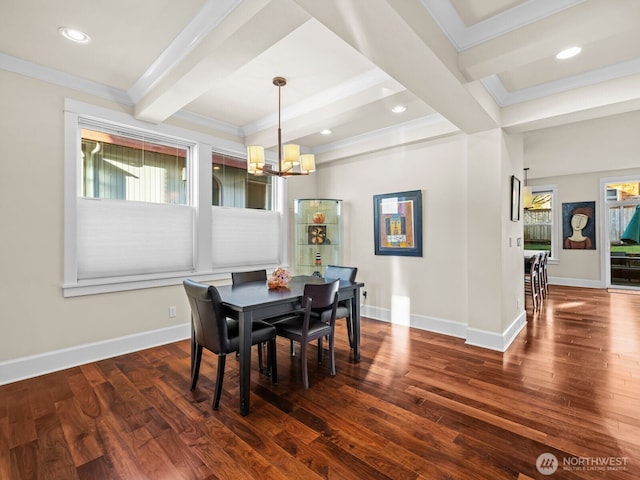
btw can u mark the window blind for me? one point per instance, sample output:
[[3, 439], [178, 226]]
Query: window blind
[[120, 238], [243, 236]]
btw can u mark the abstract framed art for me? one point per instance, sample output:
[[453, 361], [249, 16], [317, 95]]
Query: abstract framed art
[[397, 223]]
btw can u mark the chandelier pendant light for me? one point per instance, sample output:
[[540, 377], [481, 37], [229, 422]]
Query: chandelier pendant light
[[527, 194], [288, 155]]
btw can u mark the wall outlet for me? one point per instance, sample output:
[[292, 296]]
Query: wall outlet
[[172, 312]]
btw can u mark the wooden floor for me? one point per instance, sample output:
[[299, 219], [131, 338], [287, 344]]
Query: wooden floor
[[418, 405]]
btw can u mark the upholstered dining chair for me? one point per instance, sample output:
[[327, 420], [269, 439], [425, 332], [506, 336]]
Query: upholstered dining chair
[[344, 307], [532, 281], [221, 335], [239, 278], [543, 275], [304, 328]]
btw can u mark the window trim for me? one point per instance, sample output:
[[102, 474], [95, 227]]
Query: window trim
[[199, 194], [555, 218]]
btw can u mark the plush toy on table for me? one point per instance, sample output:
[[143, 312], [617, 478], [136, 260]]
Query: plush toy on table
[[279, 279]]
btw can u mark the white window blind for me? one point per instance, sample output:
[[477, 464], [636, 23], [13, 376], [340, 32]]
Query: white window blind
[[242, 236], [119, 238]]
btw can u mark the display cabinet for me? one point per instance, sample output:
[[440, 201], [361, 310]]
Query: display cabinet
[[317, 235]]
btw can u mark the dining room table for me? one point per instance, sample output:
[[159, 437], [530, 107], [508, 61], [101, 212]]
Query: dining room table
[[255, 301]]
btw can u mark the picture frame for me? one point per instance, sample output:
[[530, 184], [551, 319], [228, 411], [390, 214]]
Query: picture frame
[[397, 223], [515, 199], [579, 225]]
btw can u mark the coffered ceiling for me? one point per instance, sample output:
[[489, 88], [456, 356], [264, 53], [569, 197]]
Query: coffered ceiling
[[457, 65]]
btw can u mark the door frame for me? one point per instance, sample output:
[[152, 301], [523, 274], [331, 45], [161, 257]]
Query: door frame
[[605, 256]]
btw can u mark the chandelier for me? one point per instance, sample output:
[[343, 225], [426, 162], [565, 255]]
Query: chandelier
[[527, 195], [288, 155]]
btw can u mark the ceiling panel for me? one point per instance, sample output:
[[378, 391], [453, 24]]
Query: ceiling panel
[[500, 62]]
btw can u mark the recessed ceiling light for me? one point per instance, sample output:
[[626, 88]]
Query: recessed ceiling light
[[399, 109], [568, 53], [326, 131], [74, 35]]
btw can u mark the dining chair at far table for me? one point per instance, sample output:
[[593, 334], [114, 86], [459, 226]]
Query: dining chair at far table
[[344, 306], [215, 332], [532, 281], [543, 275], [304, 328]]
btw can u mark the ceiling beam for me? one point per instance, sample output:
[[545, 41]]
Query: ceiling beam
[[243, 35], [378, 31]]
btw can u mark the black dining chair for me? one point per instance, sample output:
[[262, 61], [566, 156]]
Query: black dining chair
[[221, 335], [240, 278], [333, 272], [544, 277], [304, 328], [532, 282]]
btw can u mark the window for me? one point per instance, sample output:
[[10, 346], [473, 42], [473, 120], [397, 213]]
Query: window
[[134, 198], [142, 224], [540, 225], [232, 186], [132, 167]]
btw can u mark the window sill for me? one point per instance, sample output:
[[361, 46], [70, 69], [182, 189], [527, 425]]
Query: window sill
[[122, 284]]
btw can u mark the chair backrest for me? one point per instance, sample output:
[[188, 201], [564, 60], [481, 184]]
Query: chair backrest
[[534, 265], [238, 278], [209, 322], [321, 295], [341, 273]]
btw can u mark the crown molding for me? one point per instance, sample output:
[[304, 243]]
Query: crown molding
[[504, 98], [463, 37], [56, 77]]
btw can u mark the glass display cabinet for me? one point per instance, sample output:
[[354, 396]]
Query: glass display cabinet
[[317, 235]]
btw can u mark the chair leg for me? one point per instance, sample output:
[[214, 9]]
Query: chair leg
[[260, 365], [293, 349], [196, 367], [273, 364], [332, 359], [216, 396], [320, 350], [303, 365]]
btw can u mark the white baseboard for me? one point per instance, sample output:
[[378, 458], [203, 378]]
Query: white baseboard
[[473, 336], [35, 365], [576, 282], [497, 341], [422, 322]]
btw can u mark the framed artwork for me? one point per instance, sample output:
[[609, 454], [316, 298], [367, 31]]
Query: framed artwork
[[515, 199], [579, 226], [317, 234], [397, 223]]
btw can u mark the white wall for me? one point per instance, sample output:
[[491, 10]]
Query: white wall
[[34, 317], [436, 283]]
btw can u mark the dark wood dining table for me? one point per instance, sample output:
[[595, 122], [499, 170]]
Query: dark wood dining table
[[254, 301]]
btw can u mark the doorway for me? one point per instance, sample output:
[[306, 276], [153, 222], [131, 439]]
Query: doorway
[[622, 233]]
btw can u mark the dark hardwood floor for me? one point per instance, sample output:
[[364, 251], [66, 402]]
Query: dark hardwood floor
[[418, 405]]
